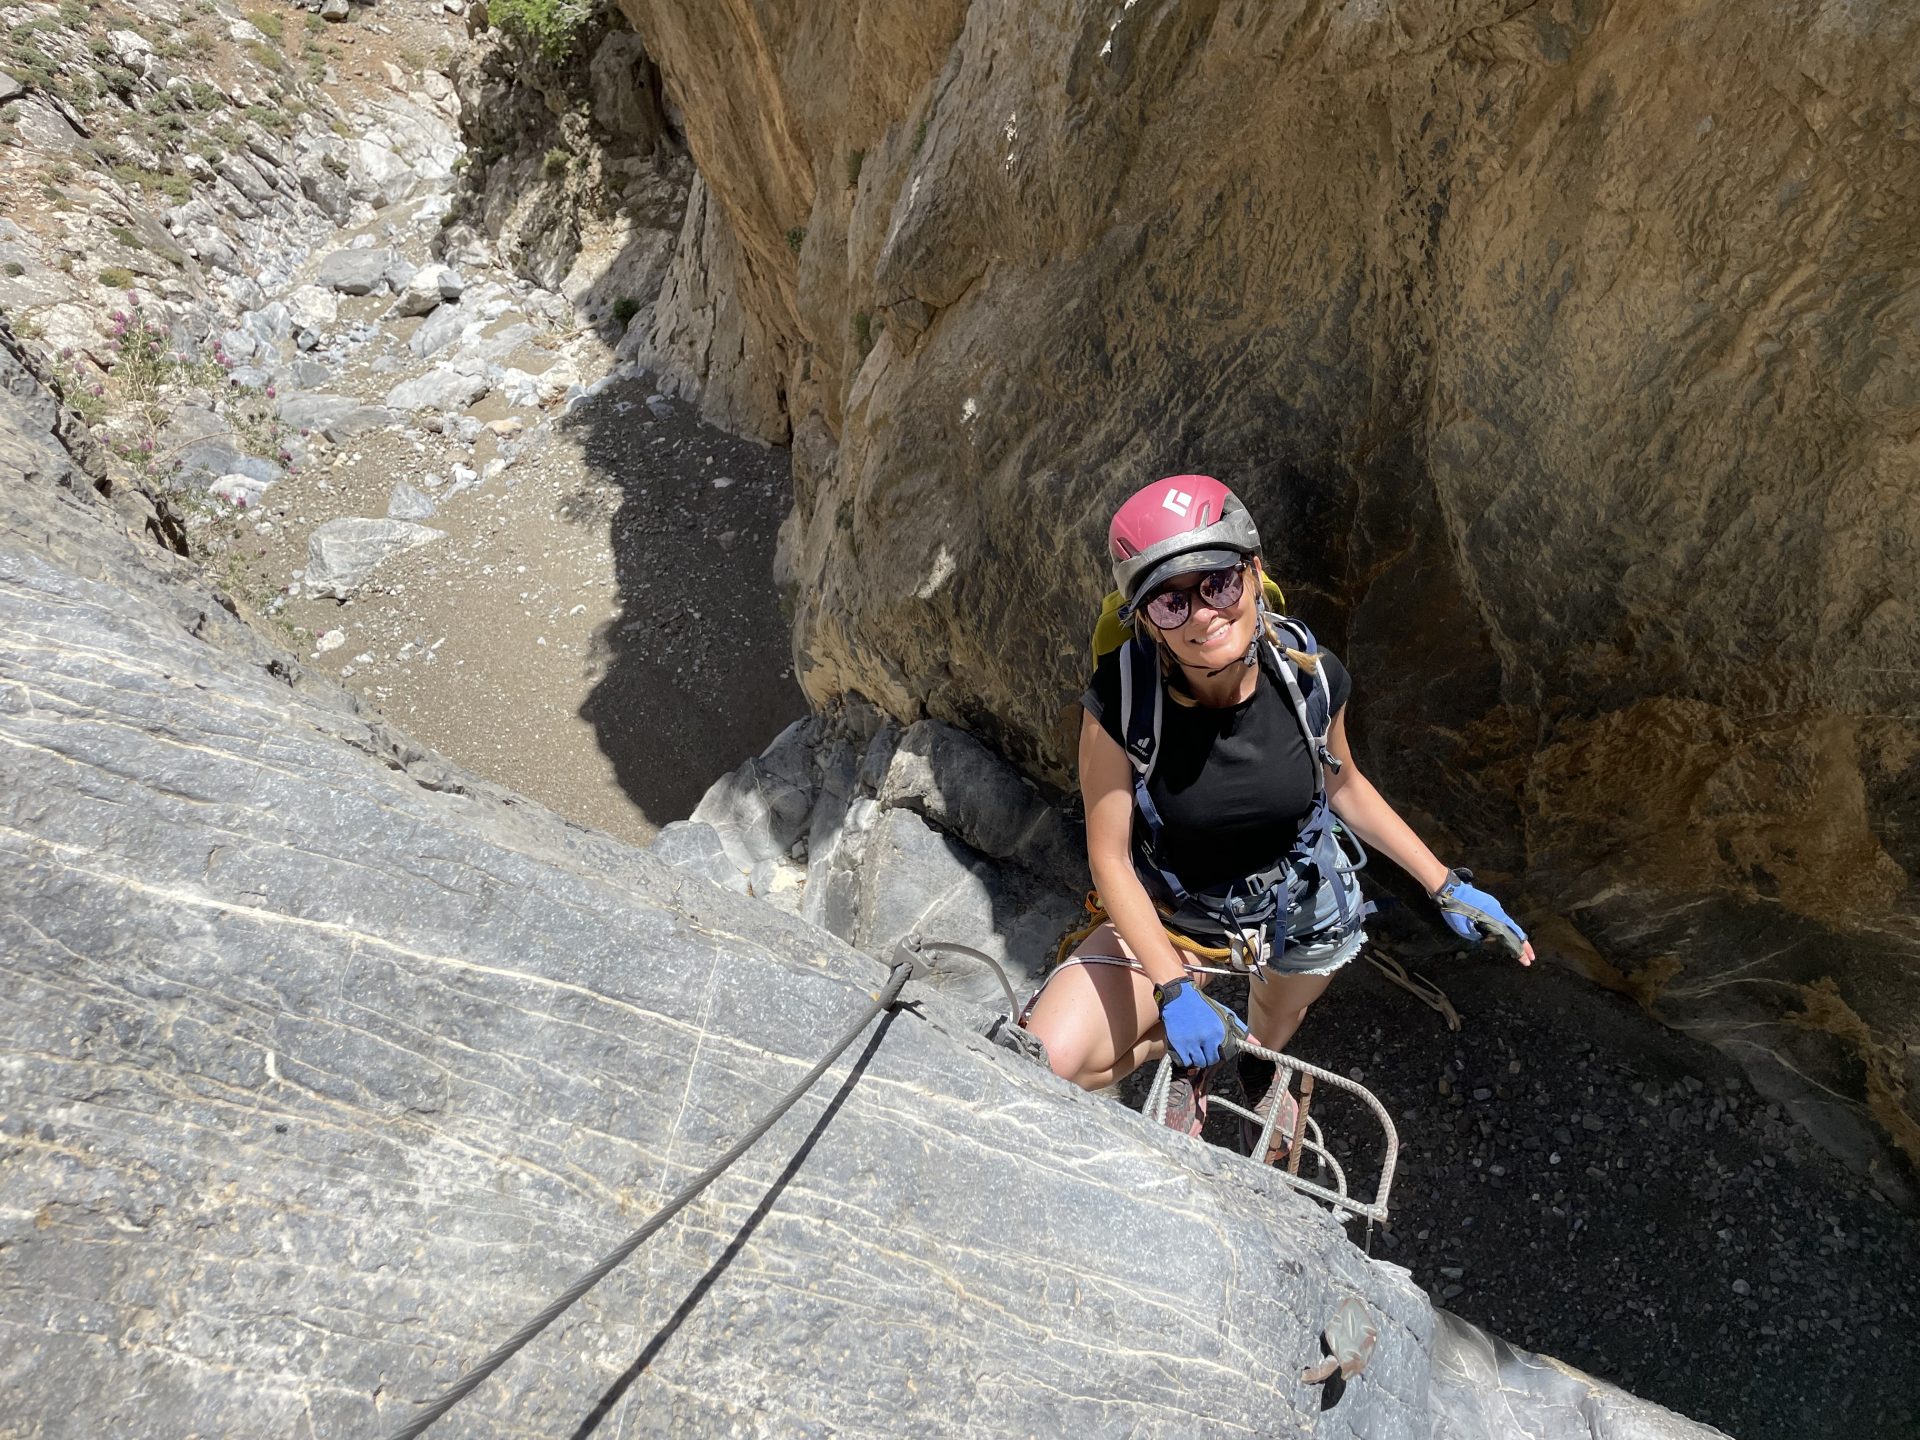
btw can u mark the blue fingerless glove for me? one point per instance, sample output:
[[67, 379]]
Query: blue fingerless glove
[[1196, 1027], [1473, 914]]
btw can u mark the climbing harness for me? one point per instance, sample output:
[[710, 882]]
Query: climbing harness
[[1250, 915], [903, 970]]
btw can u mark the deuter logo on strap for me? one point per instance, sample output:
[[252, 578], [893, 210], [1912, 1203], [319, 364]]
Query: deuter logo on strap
[[1178, 501]]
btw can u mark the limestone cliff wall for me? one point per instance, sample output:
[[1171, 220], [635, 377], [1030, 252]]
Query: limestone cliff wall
[[1566, 352]]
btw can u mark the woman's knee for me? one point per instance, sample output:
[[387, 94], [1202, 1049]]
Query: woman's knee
[[1066, 1053]]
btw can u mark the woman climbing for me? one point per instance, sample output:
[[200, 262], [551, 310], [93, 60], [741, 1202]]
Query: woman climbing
[[1222, 808]]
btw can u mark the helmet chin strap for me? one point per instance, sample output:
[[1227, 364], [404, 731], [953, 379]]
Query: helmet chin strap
[[1246, 661]]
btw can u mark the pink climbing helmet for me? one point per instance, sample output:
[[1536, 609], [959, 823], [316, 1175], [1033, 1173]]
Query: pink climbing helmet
[[1174, 527]]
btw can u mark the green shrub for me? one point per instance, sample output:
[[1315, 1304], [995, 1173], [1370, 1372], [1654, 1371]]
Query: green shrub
[[15, 269], [168, 184], [115, 278], [796, 237], [553, 26], [125, 235], [557, 161], [855, 159], [624, 309], [267, 22]]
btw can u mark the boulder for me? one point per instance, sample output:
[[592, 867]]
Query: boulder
[[409, 503], [312, 310], [426, 288], [342, 554], [442, 388], [455, 322], [873, 834], [217, 456], [337, 417], [238, 490], [356, 272], [378, 176], [439, 330], [329, 1064]]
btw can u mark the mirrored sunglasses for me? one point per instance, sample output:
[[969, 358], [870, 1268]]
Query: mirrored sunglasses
[[1218, 590]]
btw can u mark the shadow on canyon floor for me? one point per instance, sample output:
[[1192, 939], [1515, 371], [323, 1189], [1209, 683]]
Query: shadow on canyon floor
[[1585, 1183], [695, 674]]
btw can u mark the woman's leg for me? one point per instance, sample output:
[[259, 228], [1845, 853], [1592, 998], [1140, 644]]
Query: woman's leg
[[1276, 1004], [1099, 1022]]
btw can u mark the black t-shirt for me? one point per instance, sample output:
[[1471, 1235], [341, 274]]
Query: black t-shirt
[[1231, 785]]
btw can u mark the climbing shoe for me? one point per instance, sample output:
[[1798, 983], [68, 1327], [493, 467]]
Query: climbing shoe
[[1187, 1092], [1275, 1093]]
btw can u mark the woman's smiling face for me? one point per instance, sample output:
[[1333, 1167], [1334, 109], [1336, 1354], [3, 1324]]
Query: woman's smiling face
[[1211, 636]]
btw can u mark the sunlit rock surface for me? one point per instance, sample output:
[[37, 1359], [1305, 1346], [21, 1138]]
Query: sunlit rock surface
[[1566, 353], [327, 1064]]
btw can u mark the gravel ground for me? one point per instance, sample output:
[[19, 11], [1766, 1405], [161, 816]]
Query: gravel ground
[[1582, 1181]]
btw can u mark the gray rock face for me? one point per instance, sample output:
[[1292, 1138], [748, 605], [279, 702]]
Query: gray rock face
[[872, 833], [621, 79], [316, 1041], [341, 554]]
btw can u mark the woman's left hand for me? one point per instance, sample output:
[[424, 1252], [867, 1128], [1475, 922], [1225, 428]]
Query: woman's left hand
[[1473, 914]]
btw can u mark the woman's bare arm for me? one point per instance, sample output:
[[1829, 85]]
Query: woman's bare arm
[[1369, 816], [1379, 826], [1106, 786]]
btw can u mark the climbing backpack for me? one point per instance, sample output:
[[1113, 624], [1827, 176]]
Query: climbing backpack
[[1258, 902]]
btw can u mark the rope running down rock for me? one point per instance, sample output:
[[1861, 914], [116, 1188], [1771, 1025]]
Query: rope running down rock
[[470, 1381]]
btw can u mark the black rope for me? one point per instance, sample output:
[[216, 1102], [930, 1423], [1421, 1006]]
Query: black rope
[[470, 1381]]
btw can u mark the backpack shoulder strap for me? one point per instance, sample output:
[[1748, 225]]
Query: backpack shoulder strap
[[1313, 701], [1139, 719]]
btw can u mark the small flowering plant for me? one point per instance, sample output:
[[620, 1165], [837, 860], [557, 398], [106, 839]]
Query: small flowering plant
[[145, 376]]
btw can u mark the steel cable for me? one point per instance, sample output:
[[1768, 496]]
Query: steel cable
[[470, 1381]]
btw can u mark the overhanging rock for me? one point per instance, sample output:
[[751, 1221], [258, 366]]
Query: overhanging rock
[[328, 1065]]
